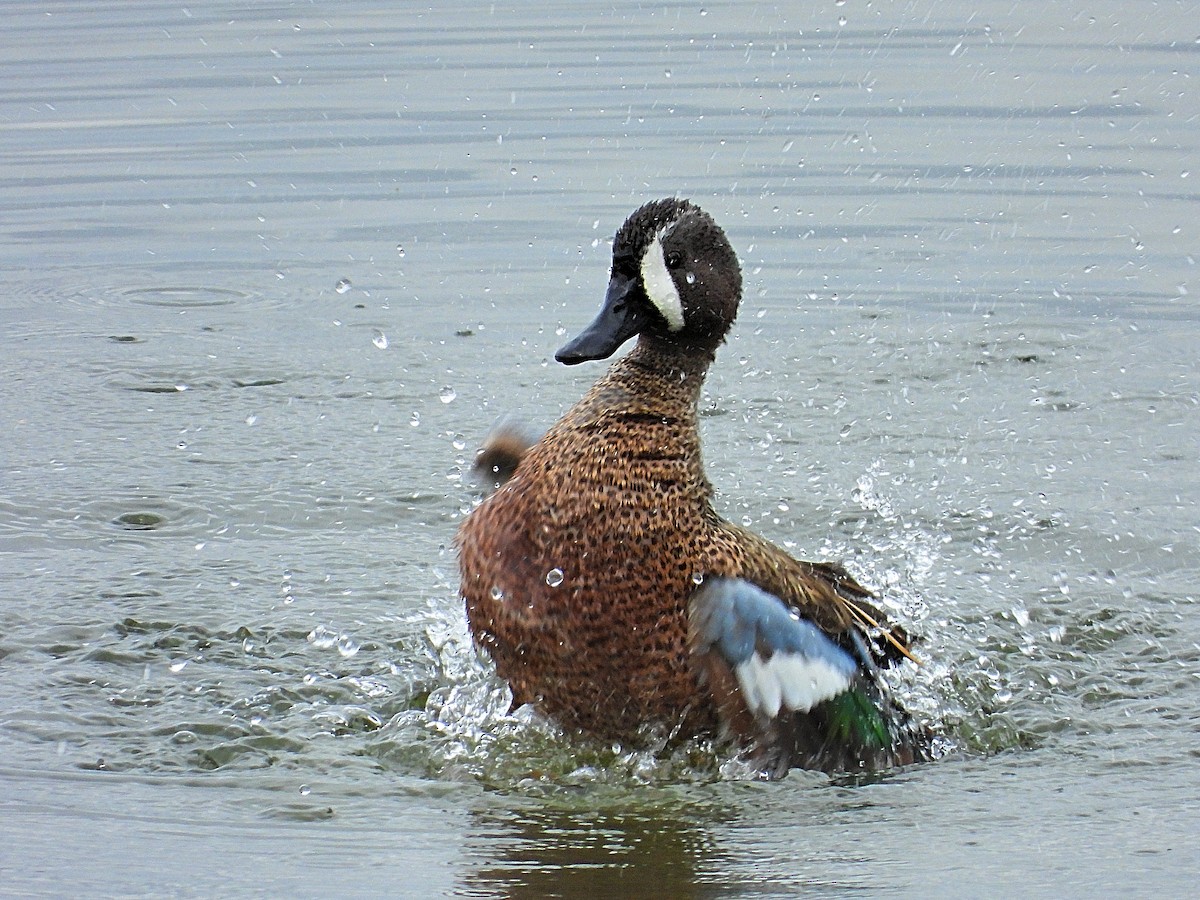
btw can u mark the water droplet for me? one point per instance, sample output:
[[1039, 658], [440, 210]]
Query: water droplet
[[177, 665], [343, 285], [415, 419], [697, 578], [447, 394], [346, 645], [250, 420], [497, 593], [380, 340], [554, 577], [305, 790], [400, 250], [321, 637], [690, 277]]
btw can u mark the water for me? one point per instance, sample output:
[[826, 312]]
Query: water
[[266, 275]]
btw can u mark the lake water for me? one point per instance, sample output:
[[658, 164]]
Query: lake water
[[268, 273]]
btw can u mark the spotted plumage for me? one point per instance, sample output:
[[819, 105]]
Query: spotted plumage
[[612, 595]]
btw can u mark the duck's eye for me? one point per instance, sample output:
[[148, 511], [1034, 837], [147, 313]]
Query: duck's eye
[[673, 259]]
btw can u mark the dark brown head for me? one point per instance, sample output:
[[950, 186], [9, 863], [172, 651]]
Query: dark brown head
[[675, 278]]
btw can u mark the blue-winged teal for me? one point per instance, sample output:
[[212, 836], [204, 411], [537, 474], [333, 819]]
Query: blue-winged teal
[[612, 595]]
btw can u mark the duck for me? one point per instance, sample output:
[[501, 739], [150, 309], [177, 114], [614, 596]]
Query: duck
[[611, 594]]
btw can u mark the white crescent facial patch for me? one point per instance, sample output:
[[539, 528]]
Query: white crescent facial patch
[[660, 286]]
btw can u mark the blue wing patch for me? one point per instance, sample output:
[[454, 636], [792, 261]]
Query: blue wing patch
[[780, 660]]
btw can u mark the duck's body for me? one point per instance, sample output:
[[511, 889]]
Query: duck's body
[[612, 595]]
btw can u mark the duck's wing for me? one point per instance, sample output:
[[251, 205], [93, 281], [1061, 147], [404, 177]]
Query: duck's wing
[[823, 592], [782, 687], [888, 642], [501, 452]]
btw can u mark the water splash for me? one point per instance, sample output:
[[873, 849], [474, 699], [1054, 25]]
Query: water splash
[[469, 731]]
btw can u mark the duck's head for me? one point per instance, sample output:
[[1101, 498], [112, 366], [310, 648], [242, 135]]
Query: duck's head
[[675, 279]]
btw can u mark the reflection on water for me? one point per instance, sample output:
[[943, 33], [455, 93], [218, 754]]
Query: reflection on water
[[266, 275], [561, 850]]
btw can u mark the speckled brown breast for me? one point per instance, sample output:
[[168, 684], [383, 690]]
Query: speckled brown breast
[[576, 573]]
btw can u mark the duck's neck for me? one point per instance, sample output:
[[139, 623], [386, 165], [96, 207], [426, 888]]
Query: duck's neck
[[655, 378], [685, 365]]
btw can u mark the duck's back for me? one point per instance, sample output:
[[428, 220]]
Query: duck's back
[[577, 572]]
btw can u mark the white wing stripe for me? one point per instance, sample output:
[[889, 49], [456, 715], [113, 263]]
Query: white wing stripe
[[787, 680]]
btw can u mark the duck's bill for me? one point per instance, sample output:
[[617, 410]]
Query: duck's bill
[[620, 318]]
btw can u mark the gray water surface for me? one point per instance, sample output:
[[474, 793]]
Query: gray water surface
[[268, 273]]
